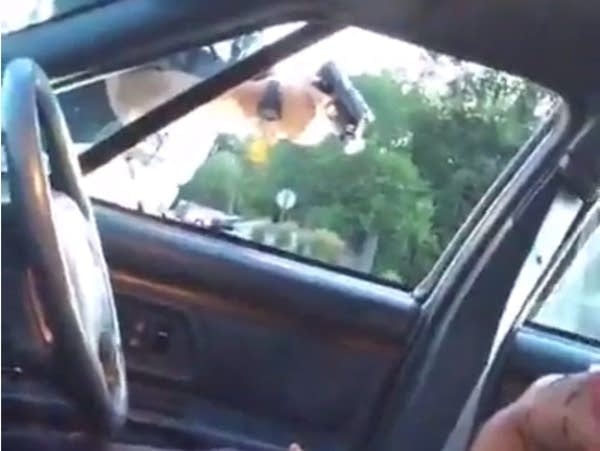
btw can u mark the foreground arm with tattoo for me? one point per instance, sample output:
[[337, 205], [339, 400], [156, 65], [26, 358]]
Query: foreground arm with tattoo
[[557, 413]]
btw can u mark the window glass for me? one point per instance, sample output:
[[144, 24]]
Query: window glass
[[361, 151], [574, 302]]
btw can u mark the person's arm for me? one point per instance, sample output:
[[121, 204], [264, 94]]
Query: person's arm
[[557, 413], [501, 432]]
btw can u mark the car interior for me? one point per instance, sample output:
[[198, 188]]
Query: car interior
[[121, 330]]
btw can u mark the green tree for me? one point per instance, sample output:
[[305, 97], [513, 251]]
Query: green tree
[[429, 156], [216, 183], [378, 192], [477, 126]]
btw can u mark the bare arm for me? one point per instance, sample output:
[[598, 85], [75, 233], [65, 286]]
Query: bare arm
[[557, 413]]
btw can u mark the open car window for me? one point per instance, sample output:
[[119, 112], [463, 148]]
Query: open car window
[[434, 133]]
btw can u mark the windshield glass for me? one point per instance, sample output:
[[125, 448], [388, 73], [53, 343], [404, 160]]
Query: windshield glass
[[21, 14]]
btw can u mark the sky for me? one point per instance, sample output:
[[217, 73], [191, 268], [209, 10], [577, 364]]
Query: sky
[[354, 50]]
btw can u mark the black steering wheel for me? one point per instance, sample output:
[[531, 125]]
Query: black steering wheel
[[78, 317]]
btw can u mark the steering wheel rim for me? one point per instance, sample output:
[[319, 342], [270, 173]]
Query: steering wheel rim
[[84, 329]]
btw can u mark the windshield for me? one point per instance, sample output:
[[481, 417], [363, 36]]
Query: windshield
[[21, 14]]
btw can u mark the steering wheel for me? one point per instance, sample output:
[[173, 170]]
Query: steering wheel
[[78, 315]]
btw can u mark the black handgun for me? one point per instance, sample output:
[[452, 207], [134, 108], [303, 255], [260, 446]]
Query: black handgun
[[352, 112]]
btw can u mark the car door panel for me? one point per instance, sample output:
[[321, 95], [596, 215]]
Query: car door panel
[[183, 256], [257, 364], [254, 344]]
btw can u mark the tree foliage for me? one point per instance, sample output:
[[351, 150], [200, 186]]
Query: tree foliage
[[429, 157]]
